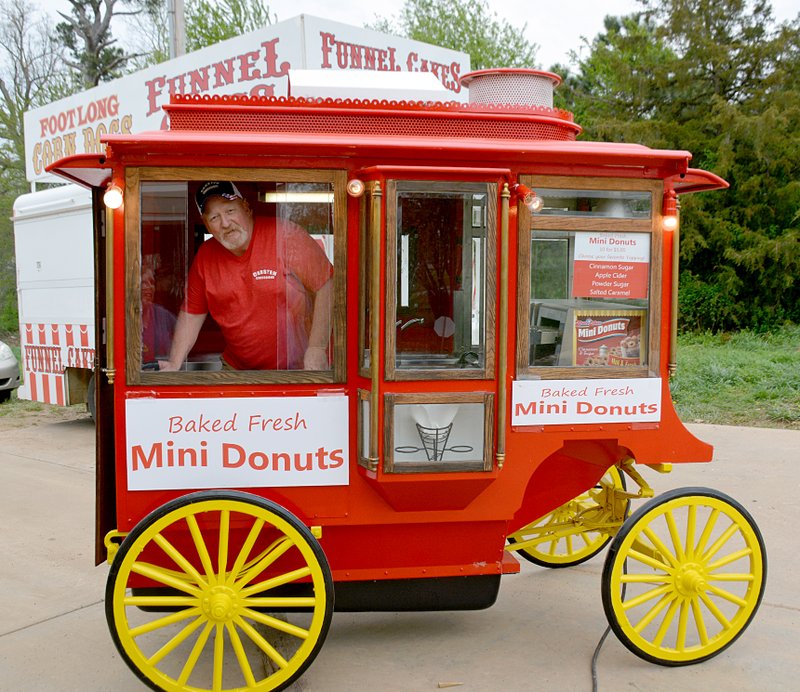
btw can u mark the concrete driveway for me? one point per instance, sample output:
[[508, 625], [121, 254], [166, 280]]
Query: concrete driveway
[[540, 635]]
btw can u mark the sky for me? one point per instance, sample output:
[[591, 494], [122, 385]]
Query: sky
[[555, 26]]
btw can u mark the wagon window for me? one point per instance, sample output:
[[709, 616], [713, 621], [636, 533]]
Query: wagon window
[[588, 272], [236, 277], [439, 309]]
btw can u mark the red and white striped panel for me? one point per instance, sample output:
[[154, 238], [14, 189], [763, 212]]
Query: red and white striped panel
[[47, 350]]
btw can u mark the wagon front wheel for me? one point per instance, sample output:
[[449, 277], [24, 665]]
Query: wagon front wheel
[[219, 590], [684, 576]]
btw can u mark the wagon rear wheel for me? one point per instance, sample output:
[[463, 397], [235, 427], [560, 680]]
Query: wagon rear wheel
[[200, 593], [576, 531], [695, 576]]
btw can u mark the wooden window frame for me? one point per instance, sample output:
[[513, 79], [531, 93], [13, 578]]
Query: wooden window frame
[[530, 222], [391, 399], [392, 372], [133, 320]]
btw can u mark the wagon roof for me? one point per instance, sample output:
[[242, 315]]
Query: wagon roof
[[203, 129]]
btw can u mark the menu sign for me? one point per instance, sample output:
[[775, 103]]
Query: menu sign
[[611, 265]]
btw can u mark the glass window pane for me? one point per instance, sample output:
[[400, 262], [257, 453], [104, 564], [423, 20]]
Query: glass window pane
[[440, 312], [237, 275], [620, 204], [589, 298], [446, 434]]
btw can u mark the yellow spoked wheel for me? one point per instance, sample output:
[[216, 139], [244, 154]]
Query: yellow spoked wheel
[[577, 530], [684, 576], [201, 592]]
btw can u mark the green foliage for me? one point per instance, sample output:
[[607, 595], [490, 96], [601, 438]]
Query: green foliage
[[741, 378], [466, 26], [209, 22], [717, 78]]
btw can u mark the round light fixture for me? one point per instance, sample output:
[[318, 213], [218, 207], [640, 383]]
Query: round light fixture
[[112, 197]]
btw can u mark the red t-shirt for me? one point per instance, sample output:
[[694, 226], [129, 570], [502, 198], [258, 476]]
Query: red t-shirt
[[263, 301]]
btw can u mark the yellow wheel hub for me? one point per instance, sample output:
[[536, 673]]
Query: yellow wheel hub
[[690, 580], [220, 604]]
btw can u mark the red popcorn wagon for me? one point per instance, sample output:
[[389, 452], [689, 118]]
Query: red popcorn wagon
[[363, 355]]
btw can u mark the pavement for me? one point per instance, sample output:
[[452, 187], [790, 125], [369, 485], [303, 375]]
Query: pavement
[[540, 635]]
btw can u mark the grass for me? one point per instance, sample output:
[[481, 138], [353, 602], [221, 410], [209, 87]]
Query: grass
[[741, 378]]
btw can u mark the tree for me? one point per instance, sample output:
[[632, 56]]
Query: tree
[[31, 74], [209, 22], [718, 78], [206, 23], [464, 25], [86, 33]]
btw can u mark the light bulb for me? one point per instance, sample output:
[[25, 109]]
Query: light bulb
[[355, 187], [112, 197]]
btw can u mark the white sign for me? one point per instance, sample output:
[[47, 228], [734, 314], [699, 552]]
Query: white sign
[[255, 64], [554, 402], [183, 444], [612, 247]]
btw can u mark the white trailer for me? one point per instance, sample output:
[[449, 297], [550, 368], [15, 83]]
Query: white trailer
[[55, 292]]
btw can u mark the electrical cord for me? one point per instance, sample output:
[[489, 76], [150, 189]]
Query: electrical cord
[[596, 654]]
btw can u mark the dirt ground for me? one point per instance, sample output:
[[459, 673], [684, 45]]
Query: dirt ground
[[23, 414]]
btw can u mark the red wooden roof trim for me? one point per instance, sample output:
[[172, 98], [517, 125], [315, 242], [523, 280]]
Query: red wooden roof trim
[[88, 170], [698, 180]]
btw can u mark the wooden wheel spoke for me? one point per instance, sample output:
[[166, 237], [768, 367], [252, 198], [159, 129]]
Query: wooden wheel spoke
[[176, 640], [224, 537], [194, 655], [721, 541], [666, 622], [650, 561], [247, 546], [261, 643], [732, 576], [179, 559], [730, 558], [653, 613], [644, 578], [660, 547], [219, 657], [674, 535], [691, 524], [241, 656], [276, 624], [715, 611], [166, 621], [646, 596], [166, 577], [160, 601], [268, 584], [279, 548], [727, 595], [707, 531], [683, 621], [201, 548], [700, 622], [281, 603]]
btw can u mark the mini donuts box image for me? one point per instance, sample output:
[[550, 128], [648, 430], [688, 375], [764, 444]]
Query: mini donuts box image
[[608, 340]]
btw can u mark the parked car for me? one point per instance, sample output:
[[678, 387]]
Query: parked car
[[9, 372]]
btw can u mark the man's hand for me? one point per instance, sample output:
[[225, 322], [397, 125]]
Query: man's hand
[[315, 358]]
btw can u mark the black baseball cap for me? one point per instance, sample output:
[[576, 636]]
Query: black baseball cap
[[216, 188]]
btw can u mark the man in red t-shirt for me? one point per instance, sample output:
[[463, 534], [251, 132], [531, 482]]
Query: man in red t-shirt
[[265, 281]]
